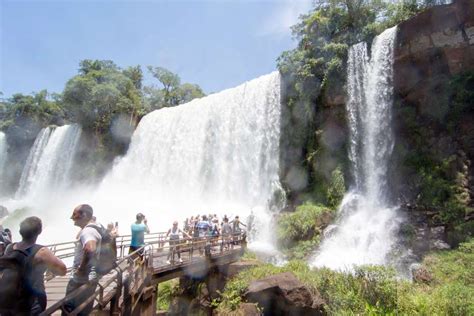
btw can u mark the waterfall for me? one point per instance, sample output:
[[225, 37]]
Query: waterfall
[[218, 154], [367, 223], [3, 157], [49, 162]]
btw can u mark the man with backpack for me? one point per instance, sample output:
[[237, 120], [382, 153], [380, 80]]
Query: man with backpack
[[86, 254], [22, 268]]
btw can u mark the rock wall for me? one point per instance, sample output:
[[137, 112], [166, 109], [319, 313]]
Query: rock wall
[[432, 48]]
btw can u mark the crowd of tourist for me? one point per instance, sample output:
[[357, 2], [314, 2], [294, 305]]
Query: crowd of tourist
[[23, 264]]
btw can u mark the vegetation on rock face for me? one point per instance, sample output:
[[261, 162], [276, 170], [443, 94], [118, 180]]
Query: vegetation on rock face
[[299, 232], [166, 291], [375, 290], [431, 152]]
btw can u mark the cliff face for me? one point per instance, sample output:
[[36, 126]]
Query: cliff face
[[432, 49], [432, 175]]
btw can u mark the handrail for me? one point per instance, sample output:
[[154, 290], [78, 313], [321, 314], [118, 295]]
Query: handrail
[[130, 275]]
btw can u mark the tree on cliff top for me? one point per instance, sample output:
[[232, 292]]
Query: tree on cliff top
[[173, 92], [100, 92]]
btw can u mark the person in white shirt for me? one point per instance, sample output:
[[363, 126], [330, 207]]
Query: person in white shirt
[[85, 256]]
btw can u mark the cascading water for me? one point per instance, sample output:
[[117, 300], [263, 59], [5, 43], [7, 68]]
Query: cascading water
[[218, 154], [48, 165], [367, 224]]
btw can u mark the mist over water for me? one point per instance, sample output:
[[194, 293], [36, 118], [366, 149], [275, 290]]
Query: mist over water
[[214, 155], [365, 232]]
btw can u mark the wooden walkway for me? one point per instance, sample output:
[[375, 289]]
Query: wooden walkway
[[124, 289]]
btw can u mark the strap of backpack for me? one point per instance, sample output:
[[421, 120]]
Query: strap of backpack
[[34, 250], [99, 229]]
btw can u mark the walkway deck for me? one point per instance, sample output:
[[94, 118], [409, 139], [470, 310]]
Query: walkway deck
[[121, 291]]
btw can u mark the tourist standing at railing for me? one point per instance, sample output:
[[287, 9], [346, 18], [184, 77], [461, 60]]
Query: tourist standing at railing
[[174, 236], [85, 256], [236, 225], [236, 230], [187, 224], [37, 259], [202, 228], [112, 229], [139, 228], [226, 231]]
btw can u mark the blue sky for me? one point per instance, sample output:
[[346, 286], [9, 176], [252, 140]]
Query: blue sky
[[216, 44]]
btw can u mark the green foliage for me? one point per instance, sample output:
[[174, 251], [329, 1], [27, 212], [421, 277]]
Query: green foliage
[[249, 255], [41, 107], [173, 92], [304, 224], [301, 249], [166, 291], [99, 93], [336, 189], [451, 290]]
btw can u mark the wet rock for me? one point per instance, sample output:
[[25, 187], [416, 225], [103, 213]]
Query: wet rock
[[420, 274], [437, 238], [284, 294]]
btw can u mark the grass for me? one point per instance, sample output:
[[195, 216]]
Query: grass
[[376, 290]]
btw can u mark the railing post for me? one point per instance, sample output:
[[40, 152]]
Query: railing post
[[114, 303], [127, 298]]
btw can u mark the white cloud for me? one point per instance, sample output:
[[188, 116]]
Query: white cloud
[[285, 15]]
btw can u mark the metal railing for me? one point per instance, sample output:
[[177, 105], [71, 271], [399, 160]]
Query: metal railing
[[121, 289]]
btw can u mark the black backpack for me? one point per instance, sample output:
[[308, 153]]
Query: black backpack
[[107, 257], [16, 295]]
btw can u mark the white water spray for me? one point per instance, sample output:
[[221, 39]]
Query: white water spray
[[365, 231], [218, 154], [47, 168]]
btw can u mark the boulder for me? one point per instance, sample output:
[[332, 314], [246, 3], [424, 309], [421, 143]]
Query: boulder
[[249, 309], [284, 294], [237, 267]]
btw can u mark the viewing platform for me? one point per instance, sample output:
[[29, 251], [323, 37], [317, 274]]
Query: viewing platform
[[131, 288]]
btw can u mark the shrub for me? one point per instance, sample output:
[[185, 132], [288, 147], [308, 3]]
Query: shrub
[[305, 223], [336, 189], [166, 291]]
